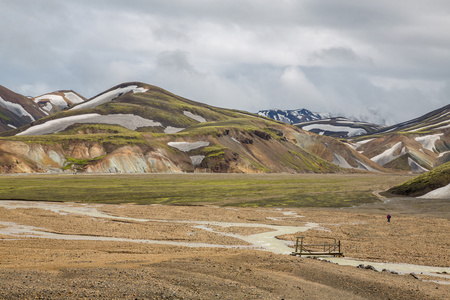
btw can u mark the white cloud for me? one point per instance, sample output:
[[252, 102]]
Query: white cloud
[[296, 85], [368, 58]]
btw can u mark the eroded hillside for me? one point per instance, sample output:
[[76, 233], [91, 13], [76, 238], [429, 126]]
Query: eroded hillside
[[135, 128]]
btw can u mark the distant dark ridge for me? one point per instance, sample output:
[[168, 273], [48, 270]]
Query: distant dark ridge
[[293, 116]]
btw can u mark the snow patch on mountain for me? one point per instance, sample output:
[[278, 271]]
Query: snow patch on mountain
[[429, 141], [363, 166], [74, 98], [16, 109], [170, 129], [443, 193], [427, 126], [443, 127], [341, 162], [197, 159], [443, 153], [415, 167], [388, 155], [333, 128], [108, 96], [187, 146], [55, 100], [128, 121], [195, 117], [360, 143]]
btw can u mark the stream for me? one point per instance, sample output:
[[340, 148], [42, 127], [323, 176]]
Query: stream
[[266, 241]]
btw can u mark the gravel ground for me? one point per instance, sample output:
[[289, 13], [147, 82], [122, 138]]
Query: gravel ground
[[34, 268]]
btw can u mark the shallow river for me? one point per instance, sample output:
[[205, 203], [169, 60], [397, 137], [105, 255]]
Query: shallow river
[[262, 241]]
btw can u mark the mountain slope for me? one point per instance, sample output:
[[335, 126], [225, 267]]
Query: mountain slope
[[434, 121], [433, 184], [336, 152], [135, 127], [58, 101], [418, 145], [339, 127], [16, 110]]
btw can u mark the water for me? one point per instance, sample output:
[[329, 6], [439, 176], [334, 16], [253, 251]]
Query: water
[[266, 241]]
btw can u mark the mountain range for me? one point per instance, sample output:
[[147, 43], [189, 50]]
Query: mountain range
[[293, 116], [322, 123], [137, 127]]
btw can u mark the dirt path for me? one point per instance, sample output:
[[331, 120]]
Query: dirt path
[[33, 267]]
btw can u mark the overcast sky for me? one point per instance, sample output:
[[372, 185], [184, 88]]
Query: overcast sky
[[382, 61]]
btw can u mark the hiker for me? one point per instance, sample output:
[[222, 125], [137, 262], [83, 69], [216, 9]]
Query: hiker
[[389, 218]]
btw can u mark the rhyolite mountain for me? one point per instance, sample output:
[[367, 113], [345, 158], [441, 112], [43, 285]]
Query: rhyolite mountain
[[58, 101], [17, 110], [417, 145], [136, 128], [339, 127]]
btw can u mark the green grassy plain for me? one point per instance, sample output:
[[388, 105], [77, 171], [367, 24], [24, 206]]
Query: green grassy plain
[[245, 190]]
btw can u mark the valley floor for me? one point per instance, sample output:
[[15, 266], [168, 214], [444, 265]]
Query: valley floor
[[75, 251]]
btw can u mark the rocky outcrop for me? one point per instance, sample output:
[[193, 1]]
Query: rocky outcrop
[[231, 151], [131, 159], [335, 152]]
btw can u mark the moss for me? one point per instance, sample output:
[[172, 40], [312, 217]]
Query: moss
[[5, 118], [281, 190], [214, 151], [100, 133], [424, 183], [79, 164]]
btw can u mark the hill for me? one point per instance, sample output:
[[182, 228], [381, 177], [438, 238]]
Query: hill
[[418, 145], [58, 101], [17, 110], [136, 127], [433, 184], [339, 127]]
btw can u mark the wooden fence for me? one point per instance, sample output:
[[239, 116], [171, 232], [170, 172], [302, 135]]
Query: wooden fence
[[332, 248]]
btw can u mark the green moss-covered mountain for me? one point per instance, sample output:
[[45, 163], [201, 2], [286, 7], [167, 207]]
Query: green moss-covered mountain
[[424, 183]]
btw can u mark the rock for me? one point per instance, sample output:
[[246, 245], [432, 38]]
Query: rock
[[369, 267]]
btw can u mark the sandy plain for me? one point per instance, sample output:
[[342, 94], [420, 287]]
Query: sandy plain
[[32, 267]]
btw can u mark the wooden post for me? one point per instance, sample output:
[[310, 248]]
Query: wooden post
[[301, 245]]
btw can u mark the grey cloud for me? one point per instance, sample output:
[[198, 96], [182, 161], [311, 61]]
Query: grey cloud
[[247, 54], [339, 55], [175, 61]]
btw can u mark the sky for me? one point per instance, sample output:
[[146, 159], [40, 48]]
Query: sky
[[378, 61]]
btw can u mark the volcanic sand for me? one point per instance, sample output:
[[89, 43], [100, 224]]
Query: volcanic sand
[[50, 268]]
